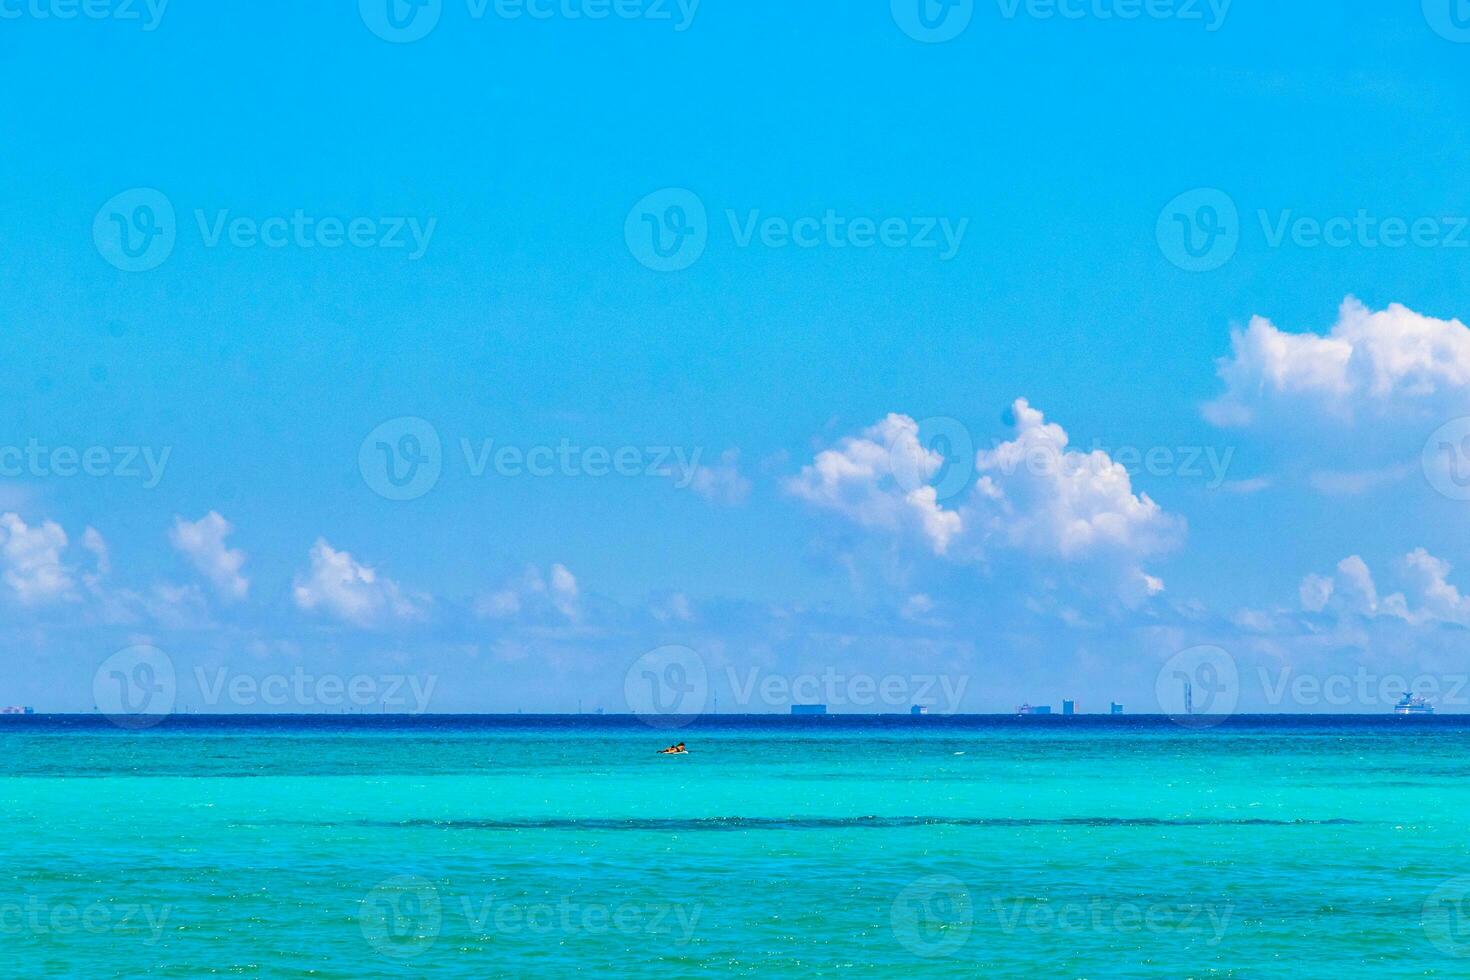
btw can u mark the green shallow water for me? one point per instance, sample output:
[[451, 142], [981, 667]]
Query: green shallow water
[[551, 850]]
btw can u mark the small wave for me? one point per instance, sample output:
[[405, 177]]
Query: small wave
[[675, 824]]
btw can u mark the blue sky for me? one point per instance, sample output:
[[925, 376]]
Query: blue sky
[[524, 150]]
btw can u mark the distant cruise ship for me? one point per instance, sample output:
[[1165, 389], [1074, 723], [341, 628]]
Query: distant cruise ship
[[1413, 704]]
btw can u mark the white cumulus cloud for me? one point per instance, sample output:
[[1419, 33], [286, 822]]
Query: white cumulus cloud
[[31, 556], [353, 592], [1389, 363], [875, 480], [203, 543], [1427, 583], [1427, 596], [1036, 495]]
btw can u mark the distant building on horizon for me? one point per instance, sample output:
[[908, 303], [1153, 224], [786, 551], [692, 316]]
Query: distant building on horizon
[[1114, 708], [919, 709], [1069, 707], [808, 709]]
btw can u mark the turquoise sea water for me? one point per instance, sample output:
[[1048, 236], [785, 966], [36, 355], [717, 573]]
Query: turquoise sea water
[[549, 847]]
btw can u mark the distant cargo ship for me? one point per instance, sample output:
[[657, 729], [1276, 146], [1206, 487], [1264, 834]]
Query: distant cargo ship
[[17, 709], [1034, 709], [1413, 704]]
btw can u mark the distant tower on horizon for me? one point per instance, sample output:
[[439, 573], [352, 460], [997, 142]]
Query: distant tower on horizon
[[1114, 708], [1188, 698], [1069, 707]]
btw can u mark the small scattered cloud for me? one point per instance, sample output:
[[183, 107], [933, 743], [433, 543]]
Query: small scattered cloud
[[102, 559], [1351, 483], [917, 607], [534, 593], [92, 540], [175, 606], [1250, 485], [675, 608], [723, 482], [1315, 592], [563, 591], [1254, 621]]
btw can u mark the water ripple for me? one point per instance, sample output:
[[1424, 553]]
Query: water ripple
[[677, 824]]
